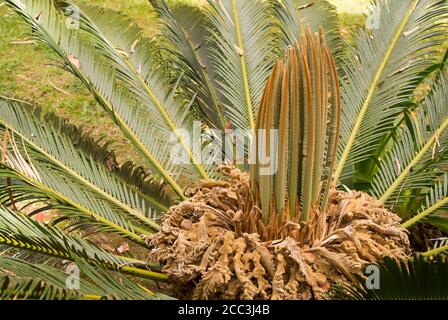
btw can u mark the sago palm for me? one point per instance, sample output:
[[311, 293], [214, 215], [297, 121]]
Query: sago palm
[[212, 219]]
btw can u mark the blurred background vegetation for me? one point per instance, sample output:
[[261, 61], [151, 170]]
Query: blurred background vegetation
[[27, 71]]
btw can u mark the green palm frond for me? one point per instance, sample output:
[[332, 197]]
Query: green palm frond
[[21, 280], [294, 15], [135, 62], [186, 36], [117, 285], [431, 74], [42, 153], [35, 289], [440, 247], [415, 279], [419, 151], [436, 201], [85, 210], [129, 87], [80, 157], [20, 231], [243, 33], [380, 72]]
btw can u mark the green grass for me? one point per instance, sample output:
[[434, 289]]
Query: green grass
[[28, 72]]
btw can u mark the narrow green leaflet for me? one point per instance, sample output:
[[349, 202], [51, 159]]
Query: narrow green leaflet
[[380, 71]]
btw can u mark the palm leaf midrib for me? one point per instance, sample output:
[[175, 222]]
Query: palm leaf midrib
[[243, 64], [84, 180], [131, 235], [425, 148], [157, 103], [371, 91], [64, 54], [165, 10]]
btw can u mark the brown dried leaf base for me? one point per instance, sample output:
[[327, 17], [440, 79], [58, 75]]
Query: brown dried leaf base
[[215, 246]]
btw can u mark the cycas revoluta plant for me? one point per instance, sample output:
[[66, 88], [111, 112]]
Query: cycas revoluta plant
[[346, 118], [220, 244]]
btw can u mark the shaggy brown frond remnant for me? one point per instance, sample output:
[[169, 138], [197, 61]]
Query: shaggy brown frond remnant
[[214, 244]]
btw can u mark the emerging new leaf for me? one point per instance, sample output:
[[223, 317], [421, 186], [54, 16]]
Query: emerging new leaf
[[302, 103]]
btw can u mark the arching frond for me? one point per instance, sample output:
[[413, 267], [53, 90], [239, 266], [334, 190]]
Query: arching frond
[[130, 87], [186, 33], [419, 150], [86, 211], [439, 247], [21, 280], [20, 231], [118, 285], [79, 157], [135, 60], [43, 156], [294, 15], [35, 289], [436, 200], [380, 73], [243, 34]]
